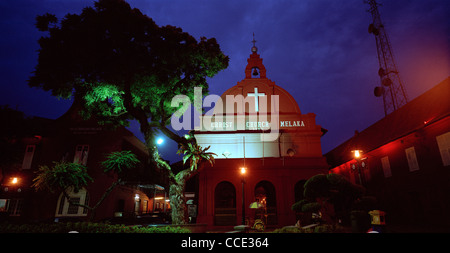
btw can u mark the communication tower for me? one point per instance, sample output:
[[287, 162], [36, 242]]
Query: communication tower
[[391, 89]]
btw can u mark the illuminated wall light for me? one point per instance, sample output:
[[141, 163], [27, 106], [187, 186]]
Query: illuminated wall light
[[158, 198], [357, 153], [136, 197], [14, 180]]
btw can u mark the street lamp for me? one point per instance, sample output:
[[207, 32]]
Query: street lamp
[[357, 155], [14, 180], [243, 171], [159, 141]]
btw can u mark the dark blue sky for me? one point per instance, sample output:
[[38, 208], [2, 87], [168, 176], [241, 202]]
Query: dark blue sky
[[318, 50]]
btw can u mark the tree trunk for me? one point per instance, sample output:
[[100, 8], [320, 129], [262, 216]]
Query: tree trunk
[[178, 204], [105, 194], [176, 194], [176, 183]]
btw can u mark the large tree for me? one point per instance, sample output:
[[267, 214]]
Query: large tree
[[126, 67]]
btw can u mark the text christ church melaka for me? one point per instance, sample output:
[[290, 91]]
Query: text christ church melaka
[[269, 136]]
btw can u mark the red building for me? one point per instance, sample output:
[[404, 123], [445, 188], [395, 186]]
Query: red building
[[405, 160], [256, 125], [72, 139]]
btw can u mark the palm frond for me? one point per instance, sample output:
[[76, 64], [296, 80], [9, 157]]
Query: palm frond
[[61, 176], [120, 161]]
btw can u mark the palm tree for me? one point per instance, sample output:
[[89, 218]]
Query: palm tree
[[197, 157], [195, 154], [64, 176]]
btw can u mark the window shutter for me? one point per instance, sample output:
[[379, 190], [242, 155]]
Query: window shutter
[[412, 159], [386, 166], [28, 158], [444, 147]]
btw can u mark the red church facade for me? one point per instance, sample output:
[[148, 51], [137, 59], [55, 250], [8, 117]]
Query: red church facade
[[256, 125]]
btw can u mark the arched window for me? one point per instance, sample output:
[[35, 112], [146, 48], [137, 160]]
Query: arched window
[[64, 208]]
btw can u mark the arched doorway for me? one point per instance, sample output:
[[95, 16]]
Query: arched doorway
[[225, 204], [265, 192]]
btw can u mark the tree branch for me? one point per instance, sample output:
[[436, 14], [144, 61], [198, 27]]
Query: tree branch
[[160, 163], [106, 193]]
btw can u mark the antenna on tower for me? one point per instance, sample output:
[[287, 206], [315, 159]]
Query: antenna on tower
[[391, 89]]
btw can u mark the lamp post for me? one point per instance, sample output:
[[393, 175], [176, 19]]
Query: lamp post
[[243, 170]]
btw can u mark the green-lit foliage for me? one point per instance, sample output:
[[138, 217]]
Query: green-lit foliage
[[61, 176], [120, 161], [195, 154]]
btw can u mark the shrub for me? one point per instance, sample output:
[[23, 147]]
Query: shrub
[[323, 228], [85, 227]]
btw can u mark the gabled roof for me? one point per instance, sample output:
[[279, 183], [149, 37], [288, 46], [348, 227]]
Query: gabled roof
[[426, 109]]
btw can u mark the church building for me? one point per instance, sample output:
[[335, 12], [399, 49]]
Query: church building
[[266, 150]]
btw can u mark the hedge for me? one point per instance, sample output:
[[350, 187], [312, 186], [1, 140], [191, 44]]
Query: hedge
[[85, 227], [322, 228]]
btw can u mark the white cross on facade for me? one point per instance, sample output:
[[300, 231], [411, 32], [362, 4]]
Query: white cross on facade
[[256, 95]]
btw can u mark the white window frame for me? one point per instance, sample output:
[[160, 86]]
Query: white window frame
[[28, 157], [63, 208], [413, 164], [81, 154], [443, 142]]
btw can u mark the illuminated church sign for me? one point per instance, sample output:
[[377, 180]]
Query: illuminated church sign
[[260, 125]]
